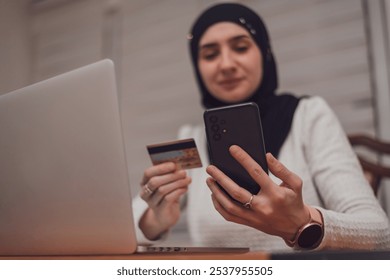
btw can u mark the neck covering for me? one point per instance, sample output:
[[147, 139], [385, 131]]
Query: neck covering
[[276, 111]]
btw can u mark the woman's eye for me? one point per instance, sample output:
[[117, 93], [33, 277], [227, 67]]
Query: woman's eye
[[241, 49], [209, 55]]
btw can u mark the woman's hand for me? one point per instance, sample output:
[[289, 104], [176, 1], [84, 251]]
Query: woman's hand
[[276, 209], [162, 186]]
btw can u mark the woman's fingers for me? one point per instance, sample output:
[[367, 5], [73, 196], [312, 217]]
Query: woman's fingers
[[288, 178], [174, 196], [259, 175], [155, 182], [228, 184], [153, 189], [229, 209], [157, 170], [225, 214], [163, 192], [275, 210], [251, 166]]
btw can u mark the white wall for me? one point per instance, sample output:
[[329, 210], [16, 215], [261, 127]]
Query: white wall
[[15, 66]]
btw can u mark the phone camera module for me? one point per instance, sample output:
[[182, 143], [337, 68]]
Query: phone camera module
[[217, 137], [215, 127], [213, 119]]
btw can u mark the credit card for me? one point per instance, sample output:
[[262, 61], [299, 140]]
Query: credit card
[[182, 152]]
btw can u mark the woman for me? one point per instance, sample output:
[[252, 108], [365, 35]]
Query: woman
[[318, 197]]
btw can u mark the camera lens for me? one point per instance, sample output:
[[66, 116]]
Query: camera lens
[[213, 119], [222, 122], [217, 136], [215, 127]]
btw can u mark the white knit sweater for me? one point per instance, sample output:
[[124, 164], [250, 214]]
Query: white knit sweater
[[318, 151]]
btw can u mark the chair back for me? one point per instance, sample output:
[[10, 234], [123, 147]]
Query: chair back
[[373, 169]]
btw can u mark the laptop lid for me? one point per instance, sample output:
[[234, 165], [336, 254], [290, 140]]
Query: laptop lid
[[64, 185]]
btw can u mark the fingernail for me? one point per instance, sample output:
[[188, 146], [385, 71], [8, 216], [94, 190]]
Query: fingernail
[[172, 166], [182, 172], [233, 148], [209, 169], [271, 157], [210, 181]]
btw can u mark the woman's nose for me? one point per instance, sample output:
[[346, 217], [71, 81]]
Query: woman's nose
[[227, 61]]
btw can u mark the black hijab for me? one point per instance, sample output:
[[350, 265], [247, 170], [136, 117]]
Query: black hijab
[[276, 111]]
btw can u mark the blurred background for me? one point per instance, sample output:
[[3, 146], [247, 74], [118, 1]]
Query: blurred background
[[338, 49]]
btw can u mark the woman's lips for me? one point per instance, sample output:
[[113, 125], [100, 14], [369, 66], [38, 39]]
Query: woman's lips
[[230, 83]]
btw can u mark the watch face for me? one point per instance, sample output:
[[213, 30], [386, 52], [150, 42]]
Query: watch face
[[310, 236]]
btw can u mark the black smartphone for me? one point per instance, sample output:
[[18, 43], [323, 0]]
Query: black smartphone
[[235, 125]]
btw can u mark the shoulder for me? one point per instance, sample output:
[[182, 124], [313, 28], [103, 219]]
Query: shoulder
[[313, 110], [314, 122], [314, 104]]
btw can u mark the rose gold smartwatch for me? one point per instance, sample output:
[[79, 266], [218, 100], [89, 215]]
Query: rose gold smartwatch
[[310, 235]]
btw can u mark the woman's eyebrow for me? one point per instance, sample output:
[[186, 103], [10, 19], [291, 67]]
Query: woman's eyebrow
[[208, 46], [230, 40], [238, 38]]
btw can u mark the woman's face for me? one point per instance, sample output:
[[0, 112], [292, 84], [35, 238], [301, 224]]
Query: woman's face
[[230, 62]]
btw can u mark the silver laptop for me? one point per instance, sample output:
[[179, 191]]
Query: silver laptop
[[63, 177], [64, 187]]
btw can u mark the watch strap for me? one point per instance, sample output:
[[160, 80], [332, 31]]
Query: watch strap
[[316, 223]]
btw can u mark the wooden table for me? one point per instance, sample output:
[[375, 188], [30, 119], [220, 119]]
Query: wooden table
[[152, 256]]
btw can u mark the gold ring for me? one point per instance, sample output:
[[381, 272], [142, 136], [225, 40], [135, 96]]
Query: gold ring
[[248, 204]]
